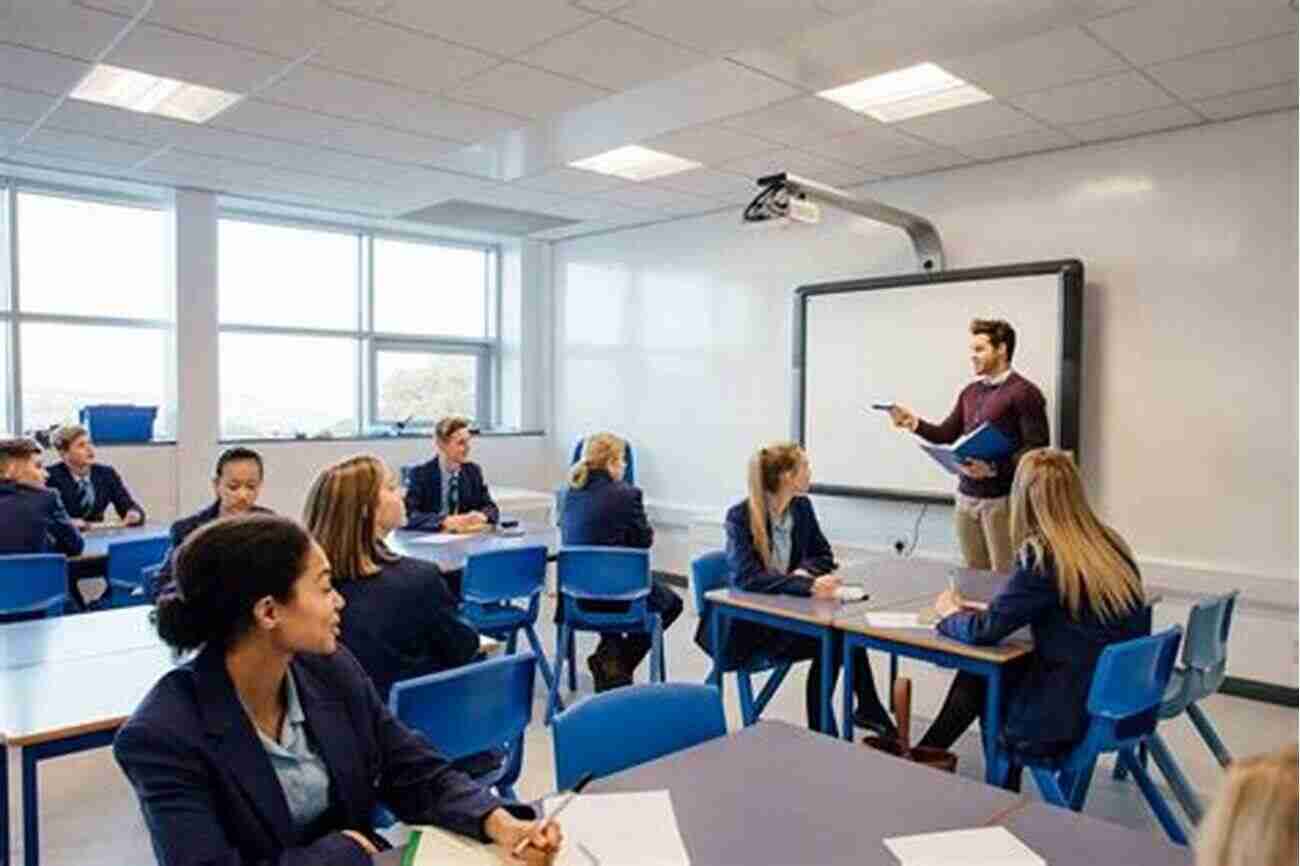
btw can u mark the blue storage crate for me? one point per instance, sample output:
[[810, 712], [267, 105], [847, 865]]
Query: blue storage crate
[[116, 423]]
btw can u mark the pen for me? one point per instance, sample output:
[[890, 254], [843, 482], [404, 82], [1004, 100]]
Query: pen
[[549, 819]]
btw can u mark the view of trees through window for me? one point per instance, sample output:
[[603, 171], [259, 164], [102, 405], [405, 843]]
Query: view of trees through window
[[424, 387]]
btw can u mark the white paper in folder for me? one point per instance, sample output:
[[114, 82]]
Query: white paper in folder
[[632, 829], [983, 846]]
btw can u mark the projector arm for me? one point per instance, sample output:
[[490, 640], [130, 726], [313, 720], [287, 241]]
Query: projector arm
[[925, 237]]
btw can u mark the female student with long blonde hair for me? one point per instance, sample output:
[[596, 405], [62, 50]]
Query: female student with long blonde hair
[[1078, 589], [1253, 820], [775, 545]]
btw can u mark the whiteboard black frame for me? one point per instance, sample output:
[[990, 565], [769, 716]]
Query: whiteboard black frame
[[1070, 325]]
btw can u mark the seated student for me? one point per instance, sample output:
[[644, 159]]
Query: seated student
[[237, 481], [600, 509], [401, 620], [1253, 820], [775, 545], [32, 518], [1078, 589], [271, 745], [448, 494], [88, 487]]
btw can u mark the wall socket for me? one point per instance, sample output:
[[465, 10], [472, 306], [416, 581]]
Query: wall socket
[[900, 546]]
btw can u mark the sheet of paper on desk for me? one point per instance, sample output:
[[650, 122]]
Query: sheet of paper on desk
[[984, 846], [432, 538], [894, 619], [632, 829], [431, 846]]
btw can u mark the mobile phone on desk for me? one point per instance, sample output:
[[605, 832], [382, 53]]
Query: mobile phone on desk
[[510, 527]]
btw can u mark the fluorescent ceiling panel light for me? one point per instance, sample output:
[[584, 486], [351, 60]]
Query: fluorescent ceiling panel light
[[633, 162], [905, 93], [152, 94]]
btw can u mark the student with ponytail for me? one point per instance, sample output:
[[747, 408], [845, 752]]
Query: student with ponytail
[[271, 746], [1078, 589], [775, 545], [601, 509]]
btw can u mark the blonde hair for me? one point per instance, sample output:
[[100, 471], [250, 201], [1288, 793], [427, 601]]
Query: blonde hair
[[1050, 517], [340, 513], [599, 451], [1253, 820], [765, 470], [66, 435]]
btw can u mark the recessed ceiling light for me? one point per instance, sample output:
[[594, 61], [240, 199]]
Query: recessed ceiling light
[[152, 94], [903, 93], [633, 162]]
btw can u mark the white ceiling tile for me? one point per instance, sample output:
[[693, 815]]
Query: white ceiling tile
[[374, 49], [59, 26], [1175, 28], [710, 183], [172, 54], [652, 198], [710, 144], [609, 54], [799, 121], [876, 143], [1015, 145], [1134, 124], [288, 28], [1043, 61], [101, 120], [1245, 67], [931, 160], [1249, 102], [354, 98], [1126, 93], [10, 132], [722, 26], [806, 165], [208, 169], [39, 71], [22, 104], [525, 91], [62, 162], [570, 181], [278, 121], [977, 122], [601, 7], [100, 150], [504, 27]]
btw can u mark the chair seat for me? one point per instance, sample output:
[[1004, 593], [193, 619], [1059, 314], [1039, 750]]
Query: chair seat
[[756, 664], [495, 617]]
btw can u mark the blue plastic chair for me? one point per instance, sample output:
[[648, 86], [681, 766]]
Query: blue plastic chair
[[629, 458], [710, 572], [491, 583], [127, 561], [474, 708], [32, 586], [1126, 692], [1204, 668], [603, 574], [605, 733]]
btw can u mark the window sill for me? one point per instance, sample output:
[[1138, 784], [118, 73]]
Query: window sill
[[491, 434], [165, 443]]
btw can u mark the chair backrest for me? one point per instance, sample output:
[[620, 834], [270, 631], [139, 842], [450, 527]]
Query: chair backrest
[[1131, 676], [31, 579], [471, 708], [614, 730], [499, 575], [629, 458], [128, 559], [708, 572], [614, 573], [1205, 648]]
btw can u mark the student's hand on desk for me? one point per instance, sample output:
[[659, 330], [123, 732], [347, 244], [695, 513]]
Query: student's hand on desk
[[507, 831], [366, 844], [977, 469], [903, 418], [471, 522], [825, 586], [80, 524], [133, 518], [948, 603]]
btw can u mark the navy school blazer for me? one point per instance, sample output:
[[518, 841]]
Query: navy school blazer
[[183, 528], [1047, 704], [210, 796], [424, 495], [109, 488], [605, 513], [33, 520]]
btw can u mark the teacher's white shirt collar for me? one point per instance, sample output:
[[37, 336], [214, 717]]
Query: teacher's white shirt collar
[[998, 379]]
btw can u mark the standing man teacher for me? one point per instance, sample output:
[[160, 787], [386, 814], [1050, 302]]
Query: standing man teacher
[[1015, 406]]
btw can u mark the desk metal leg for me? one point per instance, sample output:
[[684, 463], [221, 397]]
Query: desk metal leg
[[847, 702], [828, 686], [4, 804], [31, 816], [715, 641], [991, 725]]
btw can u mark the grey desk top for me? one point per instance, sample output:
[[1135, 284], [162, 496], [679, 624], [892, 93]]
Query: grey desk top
[[98, 540], [900, 579], [1066, 838], [818, 611], [63, 638], [452, 554]]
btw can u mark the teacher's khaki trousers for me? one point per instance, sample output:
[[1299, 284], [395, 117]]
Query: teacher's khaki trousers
[[984, 532]]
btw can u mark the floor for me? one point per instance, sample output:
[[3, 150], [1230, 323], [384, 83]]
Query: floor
[[89, 815]]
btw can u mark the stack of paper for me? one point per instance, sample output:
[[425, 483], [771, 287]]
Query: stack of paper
[[431, 538], [985, 846], [894, 619]]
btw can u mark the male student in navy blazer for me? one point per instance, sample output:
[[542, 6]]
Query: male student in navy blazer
[[448, 494], [86, 487], [32, 519]]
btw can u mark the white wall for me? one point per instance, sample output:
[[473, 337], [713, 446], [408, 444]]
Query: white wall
[[678, 334]]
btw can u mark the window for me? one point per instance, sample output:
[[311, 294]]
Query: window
[[365, 331], [92, 318]]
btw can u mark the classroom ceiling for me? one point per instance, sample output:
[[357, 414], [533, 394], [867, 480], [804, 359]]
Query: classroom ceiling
[[391, 107]]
